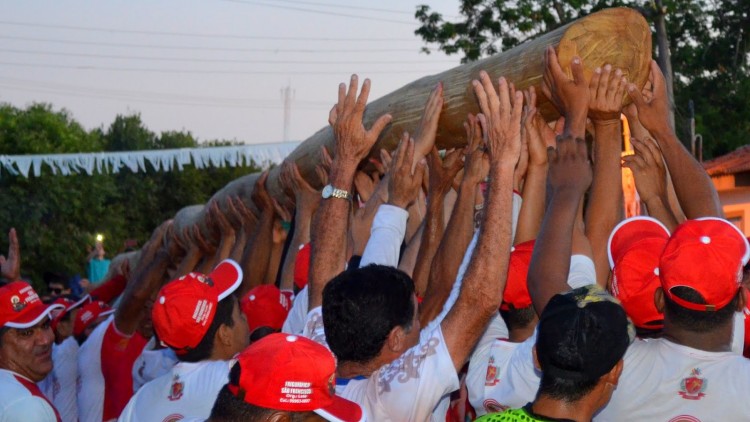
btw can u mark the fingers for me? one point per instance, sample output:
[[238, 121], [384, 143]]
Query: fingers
[[614, 84], [483, 124], [362, 99], [481, 95], [379, 125], [553, 64], [594, 82], [419, 172], [576, 66], [657, 78], [504, 90], [636, 96], [351, 95], [333, 115]]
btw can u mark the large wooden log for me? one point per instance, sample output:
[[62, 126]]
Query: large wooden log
[[618, 36]]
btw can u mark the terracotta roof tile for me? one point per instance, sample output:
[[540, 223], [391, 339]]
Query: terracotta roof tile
[[736, 161]]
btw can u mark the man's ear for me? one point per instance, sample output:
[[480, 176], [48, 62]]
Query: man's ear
[[536, 359], [279, 417], [659, 299], [396, 339], [224, 335], [742, 300], [613, 376]]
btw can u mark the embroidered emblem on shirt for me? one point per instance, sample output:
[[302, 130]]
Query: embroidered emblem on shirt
[[175, 392], [693, 387], [491, 377]]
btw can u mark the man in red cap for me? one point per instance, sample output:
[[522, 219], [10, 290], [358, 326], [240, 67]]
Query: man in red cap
[[25, 354], [198, 317], [60, 384], [283, 377], [265, 308]]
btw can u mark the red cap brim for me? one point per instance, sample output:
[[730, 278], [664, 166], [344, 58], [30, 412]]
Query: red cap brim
[[33, 315], [227, 277], [342, 410]]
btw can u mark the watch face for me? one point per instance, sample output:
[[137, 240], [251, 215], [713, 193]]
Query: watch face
[[327, 191]]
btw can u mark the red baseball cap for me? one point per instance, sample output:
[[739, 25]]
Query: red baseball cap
[[292, 373], [302, 266], [265, 306], [185, 307], [706, 255], [516, 292], [89, 314], [20, 306], [634, 248], [68, 305]]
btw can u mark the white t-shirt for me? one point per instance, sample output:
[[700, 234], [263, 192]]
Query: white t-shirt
[[187, 390], [60, 384], [411, 388], [665, 381], [386, 236], [21, 400], [151, 364], [295, 320]]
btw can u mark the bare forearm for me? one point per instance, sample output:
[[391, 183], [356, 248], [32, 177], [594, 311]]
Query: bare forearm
[[274, 262], [605, 205], [300, 237], [239, 246], [660, 210], [328, 235], [430, 240], [694, 188], [448, 257], [189, 262], [146, 282], [550, 261], [532, 209], [257, 253], [409, 258]]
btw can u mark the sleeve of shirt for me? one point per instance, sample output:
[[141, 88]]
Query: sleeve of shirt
[[314, 327], [582, 271], [28, 409], [387, 234], [295, 321], [412, 386], [522, 378], [517, 202]]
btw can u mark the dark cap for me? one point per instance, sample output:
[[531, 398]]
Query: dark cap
[[582, 334]]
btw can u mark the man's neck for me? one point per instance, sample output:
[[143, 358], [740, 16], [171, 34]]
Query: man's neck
[[519, 335], [354, 369], [580, 411], [716, 340]]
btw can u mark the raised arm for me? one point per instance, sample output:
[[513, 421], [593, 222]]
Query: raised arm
[[442, 173], [353, 142], [605, 204], [258, 249], [693, 186], [147, 278], [568, 178], [10, 266], [484, 281], [458, 233]]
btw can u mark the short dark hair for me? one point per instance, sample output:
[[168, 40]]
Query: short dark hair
[[261, 332], [3, 330], [582, 335], [697, 321], [223, 316], [230, 408], [517, 319], [362, 306]]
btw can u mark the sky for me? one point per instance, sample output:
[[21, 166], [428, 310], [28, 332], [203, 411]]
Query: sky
[[216, 68]]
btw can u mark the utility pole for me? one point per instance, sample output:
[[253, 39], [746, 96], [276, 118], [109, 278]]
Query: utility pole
[[287, 94], [664, 58]]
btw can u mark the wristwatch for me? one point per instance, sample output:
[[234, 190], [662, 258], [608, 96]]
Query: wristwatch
[[330, 192]]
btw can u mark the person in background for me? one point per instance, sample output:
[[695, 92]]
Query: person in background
[[96, 264]]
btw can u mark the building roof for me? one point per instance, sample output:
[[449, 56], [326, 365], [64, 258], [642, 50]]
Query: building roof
[[736, 161]]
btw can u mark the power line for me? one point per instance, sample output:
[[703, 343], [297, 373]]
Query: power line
[[321, 12], [213, 71], [204, 60], [182, 34], [348, 7], [212, 49]]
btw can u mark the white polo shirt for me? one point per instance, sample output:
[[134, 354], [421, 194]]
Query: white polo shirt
[[21, 400], [187, 390], [60, 384]]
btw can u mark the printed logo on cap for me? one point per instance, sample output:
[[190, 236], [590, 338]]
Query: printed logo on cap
[[16, 303]]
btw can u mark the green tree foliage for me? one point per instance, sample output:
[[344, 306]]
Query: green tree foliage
[[708, 42], [57, 217]]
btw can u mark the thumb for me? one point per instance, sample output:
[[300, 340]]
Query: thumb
[[636, 96], [576, 66]]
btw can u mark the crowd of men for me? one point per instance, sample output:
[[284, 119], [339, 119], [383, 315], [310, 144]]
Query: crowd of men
[[499, 282]]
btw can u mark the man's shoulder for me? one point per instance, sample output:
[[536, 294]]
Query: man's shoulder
[[10, 386]]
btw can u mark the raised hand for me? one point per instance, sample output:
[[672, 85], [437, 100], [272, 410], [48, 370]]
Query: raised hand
[[538, 134], [570, 97], [260, 195], [648, 170], [427, 129], [10, 267], [207, 248], [475, 160], [606, 91], [365, 185], [653, 105], [353, 141], [403, 185], [307, 197], [569, 167], [500, 119], [216, 219], [442, 172]]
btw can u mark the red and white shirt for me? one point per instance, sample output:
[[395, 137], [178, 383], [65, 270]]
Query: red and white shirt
[[188, 390], [105, 365], [60, 384], [21, 400]]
